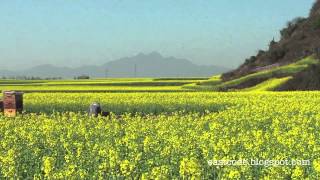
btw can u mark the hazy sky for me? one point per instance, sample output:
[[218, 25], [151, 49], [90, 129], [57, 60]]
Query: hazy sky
[[77, 32]]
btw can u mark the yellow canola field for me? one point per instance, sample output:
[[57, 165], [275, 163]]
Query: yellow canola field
[[164, 136]]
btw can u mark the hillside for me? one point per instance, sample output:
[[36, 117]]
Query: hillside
[[299, 40], [275, 78], [141, 65]]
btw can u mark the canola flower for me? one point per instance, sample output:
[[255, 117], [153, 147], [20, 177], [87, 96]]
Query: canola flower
[[162, 136]]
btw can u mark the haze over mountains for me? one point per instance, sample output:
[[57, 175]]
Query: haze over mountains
[[141, 65]]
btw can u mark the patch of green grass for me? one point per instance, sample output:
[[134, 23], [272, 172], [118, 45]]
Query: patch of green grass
[[17, 82], [99, 82], [93, 88], [214, 80], [269, 85], [99, 85], [204, 85], [181, 79]]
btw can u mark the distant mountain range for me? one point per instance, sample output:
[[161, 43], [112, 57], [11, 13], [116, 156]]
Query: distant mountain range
[[141, 65]]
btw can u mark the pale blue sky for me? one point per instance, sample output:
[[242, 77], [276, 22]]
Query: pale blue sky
[[76, 32]]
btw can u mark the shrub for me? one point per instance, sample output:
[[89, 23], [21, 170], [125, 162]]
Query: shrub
[[82, 77], [317, 24]]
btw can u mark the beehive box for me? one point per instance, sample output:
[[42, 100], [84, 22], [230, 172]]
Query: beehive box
[[12, 103]]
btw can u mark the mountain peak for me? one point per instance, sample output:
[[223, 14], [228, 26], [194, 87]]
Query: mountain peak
[[155, 65], [153, 54]]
